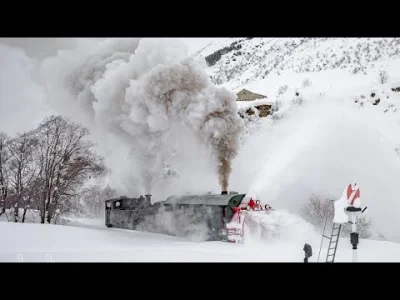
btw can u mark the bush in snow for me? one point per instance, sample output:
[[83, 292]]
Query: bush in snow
[[383, 76], [317, 210], [298, 100], [276, 107], [306, 83], [320, 209], [282, 89]]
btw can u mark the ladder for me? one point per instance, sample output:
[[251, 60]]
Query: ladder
[[333, 242]]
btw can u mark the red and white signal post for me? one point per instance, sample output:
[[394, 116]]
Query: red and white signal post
[[346, 209]]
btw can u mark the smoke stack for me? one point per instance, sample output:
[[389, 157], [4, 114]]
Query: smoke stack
[[224, 193], [148, 198]]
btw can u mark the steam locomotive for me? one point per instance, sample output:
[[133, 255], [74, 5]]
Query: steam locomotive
[[218, 217]]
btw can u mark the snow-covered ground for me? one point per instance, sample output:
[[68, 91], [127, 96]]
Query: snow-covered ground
[[240, 61], [44, 242]]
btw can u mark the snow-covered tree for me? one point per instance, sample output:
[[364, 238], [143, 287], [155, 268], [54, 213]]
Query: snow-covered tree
[[22, 171], [383, 76], [66, 159], [3, 172], [320, 209], [93, 198]]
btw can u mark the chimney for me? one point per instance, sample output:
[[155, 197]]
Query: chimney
[[224, 193], [148, 198]]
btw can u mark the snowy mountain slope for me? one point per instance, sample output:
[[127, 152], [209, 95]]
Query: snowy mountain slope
[[54, 243], [239, 61]]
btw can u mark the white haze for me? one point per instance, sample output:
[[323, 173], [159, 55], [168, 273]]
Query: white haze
[[320, 147], [40, 48], [66, 86], [21, 98], [133, 91]]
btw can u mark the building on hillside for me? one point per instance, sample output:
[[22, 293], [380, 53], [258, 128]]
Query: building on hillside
[[263, 109], [246, 95]]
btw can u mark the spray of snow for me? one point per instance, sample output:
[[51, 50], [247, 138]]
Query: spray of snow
[[137, 90], [277, 226], [319, 148]]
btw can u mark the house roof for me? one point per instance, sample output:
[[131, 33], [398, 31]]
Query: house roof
[[214, 200], [246, 95]]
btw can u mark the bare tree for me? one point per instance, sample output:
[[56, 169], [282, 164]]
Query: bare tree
[[306, 83], [93, 198], [65, 160], [317, 210], [22, 171], [320, 209], [3, 172], [282, 89], [383, 76]]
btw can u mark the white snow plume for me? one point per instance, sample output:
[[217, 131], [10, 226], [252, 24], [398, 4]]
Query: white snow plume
[[136, 90], [321, 147], [277, 226]]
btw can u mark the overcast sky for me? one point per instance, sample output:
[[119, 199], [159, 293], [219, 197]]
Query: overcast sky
[[42, 47], [195, 44], [20, 96]]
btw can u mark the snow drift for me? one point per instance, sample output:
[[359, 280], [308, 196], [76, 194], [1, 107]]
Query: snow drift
[[136, 90]]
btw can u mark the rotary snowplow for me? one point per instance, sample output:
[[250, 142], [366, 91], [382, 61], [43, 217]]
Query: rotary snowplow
[[217, 217]]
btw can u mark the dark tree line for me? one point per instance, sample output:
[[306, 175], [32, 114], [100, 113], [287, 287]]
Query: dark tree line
[[46, 169]]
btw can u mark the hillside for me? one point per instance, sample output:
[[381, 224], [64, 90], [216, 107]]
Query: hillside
[[238, 61]]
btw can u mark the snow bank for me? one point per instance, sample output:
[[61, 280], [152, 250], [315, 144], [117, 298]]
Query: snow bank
[[248, 104], [278, 226], [53, 243]]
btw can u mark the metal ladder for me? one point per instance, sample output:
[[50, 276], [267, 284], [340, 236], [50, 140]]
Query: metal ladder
[[333, 242]]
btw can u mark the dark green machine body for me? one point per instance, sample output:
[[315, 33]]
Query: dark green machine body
[[190, 215]]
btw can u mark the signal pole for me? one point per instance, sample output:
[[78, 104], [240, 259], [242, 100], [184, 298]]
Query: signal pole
[[345, 211], [354, 234]]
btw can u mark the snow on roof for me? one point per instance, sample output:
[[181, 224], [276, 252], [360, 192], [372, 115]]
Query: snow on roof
[[246, 95], [395, 84], [216, 199], [258, 102]]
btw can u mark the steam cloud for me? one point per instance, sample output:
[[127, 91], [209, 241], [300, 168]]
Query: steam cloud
[[138, 90]]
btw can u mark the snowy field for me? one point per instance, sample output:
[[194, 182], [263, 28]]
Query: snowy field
[[56, 243]]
